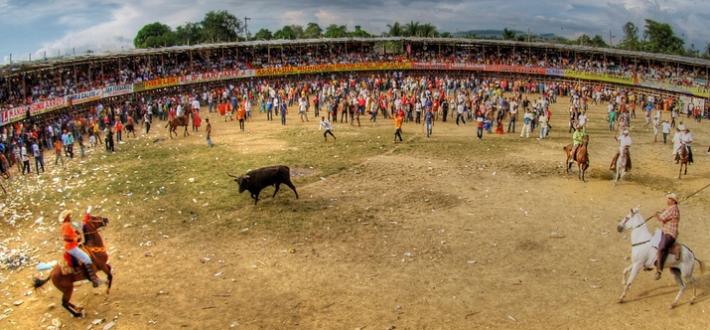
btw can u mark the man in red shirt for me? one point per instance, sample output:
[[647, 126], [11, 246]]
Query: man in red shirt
[[669, 219], [71, 245]]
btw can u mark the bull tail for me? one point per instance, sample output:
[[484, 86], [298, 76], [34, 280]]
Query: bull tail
[[38, 282]]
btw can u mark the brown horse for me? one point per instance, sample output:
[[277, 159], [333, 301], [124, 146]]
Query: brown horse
[[94, 247], [582, 158], [683, 160], [174, 123]]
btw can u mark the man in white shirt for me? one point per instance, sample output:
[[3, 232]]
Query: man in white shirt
[[685, 138], [327, 128], [302, 104], [624, 146], [665, 129]]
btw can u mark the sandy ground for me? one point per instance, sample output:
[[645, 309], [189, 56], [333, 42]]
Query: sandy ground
[[441, 233]]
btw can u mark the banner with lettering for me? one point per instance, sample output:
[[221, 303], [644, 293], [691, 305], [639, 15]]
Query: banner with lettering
[[83, 97], [116, 90]]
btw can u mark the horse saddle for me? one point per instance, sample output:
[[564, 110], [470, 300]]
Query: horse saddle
[[71, 265], [674, 250]]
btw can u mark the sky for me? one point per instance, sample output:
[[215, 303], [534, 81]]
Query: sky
[[61, 27]]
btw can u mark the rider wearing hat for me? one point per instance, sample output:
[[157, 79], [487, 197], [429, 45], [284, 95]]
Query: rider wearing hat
[[685, 138], [669, 219], [624, 145], [71, 245]]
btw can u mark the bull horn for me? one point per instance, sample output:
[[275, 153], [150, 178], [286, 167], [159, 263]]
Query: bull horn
[[234, 176]]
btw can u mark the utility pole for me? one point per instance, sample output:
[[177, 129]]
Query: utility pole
[[611, 39], [246, 28]]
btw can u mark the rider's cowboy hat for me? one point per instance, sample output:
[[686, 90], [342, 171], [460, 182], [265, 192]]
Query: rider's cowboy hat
[[682, 127], [673, 197], [64, 215], [625, 131]]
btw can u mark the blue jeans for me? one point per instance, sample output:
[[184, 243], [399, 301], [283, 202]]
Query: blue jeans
[[80, 255]]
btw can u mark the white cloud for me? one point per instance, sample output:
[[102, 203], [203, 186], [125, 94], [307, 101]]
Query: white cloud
[[111, 24]]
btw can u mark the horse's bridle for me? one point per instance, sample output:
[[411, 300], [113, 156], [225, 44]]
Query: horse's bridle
[[93, 219], [627, 218]]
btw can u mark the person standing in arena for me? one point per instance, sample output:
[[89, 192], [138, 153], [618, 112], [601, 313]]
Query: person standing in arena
[[428, 122], [398, 120], [241, 117], [209, 132], [327, 128]]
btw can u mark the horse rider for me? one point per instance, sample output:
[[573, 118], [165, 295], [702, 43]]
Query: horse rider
[[577, 139], [624, 146], [685, 139], [669, 219], [71, 245]]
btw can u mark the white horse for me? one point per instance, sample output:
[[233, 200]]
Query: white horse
[[620, 167], [643, 255]]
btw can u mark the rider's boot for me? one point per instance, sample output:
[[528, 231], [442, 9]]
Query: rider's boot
[[91, 275], [659, 267]]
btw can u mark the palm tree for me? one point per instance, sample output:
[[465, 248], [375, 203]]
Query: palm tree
[[395, 30], [428, 30], [412, 29]]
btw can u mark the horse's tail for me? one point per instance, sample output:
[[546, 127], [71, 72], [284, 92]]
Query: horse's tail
[[38, 283]]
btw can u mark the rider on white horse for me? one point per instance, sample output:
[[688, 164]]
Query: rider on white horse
[[684, 138], [669, 219], [624, 143]]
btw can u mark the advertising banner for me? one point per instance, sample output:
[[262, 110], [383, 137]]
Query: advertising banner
[[83, 97], [116, 90]]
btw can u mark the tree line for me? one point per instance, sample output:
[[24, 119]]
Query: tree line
[[222, 26]]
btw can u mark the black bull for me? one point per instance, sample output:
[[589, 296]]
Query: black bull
[[256, 180]]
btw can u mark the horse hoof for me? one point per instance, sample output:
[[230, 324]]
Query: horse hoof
[[620, 301], [672, 306]]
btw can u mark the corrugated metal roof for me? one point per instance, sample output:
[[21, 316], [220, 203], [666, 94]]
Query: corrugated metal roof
[[107, 56]]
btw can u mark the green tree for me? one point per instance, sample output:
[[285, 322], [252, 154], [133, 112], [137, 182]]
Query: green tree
[[154, 35], [359, 32], [427, 30], [445, 35], [188, 34], [336, 31], [660, 38], [313, 31], [631, 38], [508, 34], [598, 41], [706, 53], [286, 32], [263, 34], [411, 29], [298, 31], [584, 40], [395, 30], [221, 26]]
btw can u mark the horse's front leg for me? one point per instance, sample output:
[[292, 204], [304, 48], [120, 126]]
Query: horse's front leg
[[635, 268], [623, 275], [109, 275]]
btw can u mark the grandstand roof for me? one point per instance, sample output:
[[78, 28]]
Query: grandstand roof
[[69, 60]]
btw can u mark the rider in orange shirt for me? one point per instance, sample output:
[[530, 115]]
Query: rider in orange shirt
[[71, 245]]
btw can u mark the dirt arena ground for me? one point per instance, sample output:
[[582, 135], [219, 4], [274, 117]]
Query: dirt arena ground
[[441, 233]]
